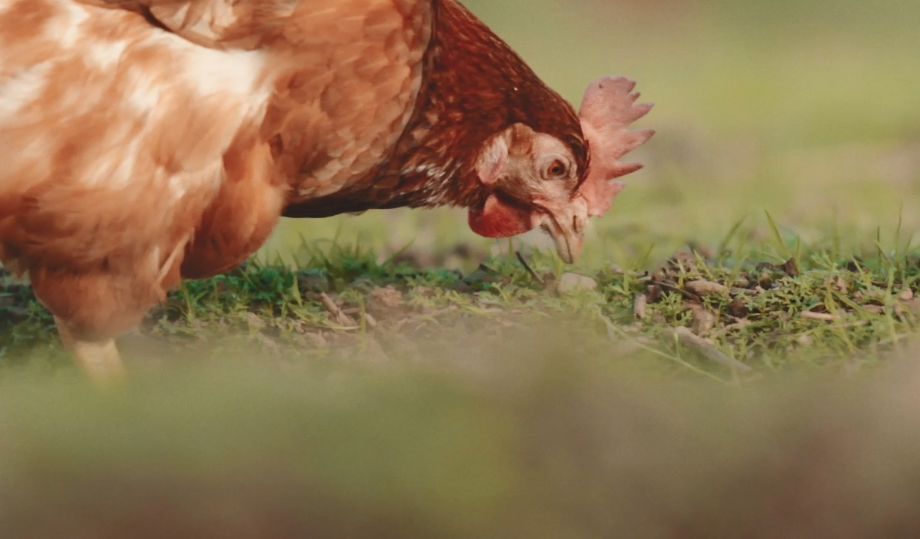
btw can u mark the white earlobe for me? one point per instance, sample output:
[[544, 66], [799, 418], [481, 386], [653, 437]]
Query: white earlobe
[[492, 160]]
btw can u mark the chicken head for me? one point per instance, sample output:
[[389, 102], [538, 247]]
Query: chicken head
[[533, 180]]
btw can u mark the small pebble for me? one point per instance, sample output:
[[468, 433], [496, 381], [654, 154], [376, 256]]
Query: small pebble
[[570, 282], [639, 305]]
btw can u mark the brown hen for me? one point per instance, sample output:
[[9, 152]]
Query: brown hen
[[147, 141]]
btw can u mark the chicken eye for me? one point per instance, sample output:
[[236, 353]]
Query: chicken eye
[[557, 169]]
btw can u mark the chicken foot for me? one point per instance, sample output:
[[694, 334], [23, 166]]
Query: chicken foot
[[99, 359]]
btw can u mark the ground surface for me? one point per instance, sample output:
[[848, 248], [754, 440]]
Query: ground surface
[[731, 358], [698, 314]]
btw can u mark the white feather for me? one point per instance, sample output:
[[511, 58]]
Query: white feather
[[21, 89]]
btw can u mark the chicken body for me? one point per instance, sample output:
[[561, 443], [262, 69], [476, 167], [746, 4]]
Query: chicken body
[[143, 142]]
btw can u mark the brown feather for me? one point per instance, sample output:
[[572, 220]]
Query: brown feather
[[474, 86]]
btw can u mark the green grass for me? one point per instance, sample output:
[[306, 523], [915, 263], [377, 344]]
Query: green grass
[[755, 285], [769, 306], [531, 439]]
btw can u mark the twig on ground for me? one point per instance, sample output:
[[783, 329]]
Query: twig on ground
[[826, 317], [652, 347], [671, 287], [702, 287], [686, 337], [338, 315], [370, 320], [530, 270]]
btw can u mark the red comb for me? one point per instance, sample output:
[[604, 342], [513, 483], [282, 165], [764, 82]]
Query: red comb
[[607, 109]]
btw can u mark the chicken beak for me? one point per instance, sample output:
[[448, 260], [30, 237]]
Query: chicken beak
[[567, 228]]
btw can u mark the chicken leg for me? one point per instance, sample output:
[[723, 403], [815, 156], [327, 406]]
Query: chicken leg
[[99, 359]]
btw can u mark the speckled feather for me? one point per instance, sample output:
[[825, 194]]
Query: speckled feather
[[475, 85]]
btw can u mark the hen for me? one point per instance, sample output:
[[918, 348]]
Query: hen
[[147, 141]]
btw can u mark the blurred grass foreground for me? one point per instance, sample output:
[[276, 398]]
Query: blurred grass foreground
[[470, 412], [528, 441]]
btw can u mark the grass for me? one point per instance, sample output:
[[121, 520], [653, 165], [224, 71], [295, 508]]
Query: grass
[[766, 306], [545, 442], [733, 360]]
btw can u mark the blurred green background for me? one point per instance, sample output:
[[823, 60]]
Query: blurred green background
[[807, 109]]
